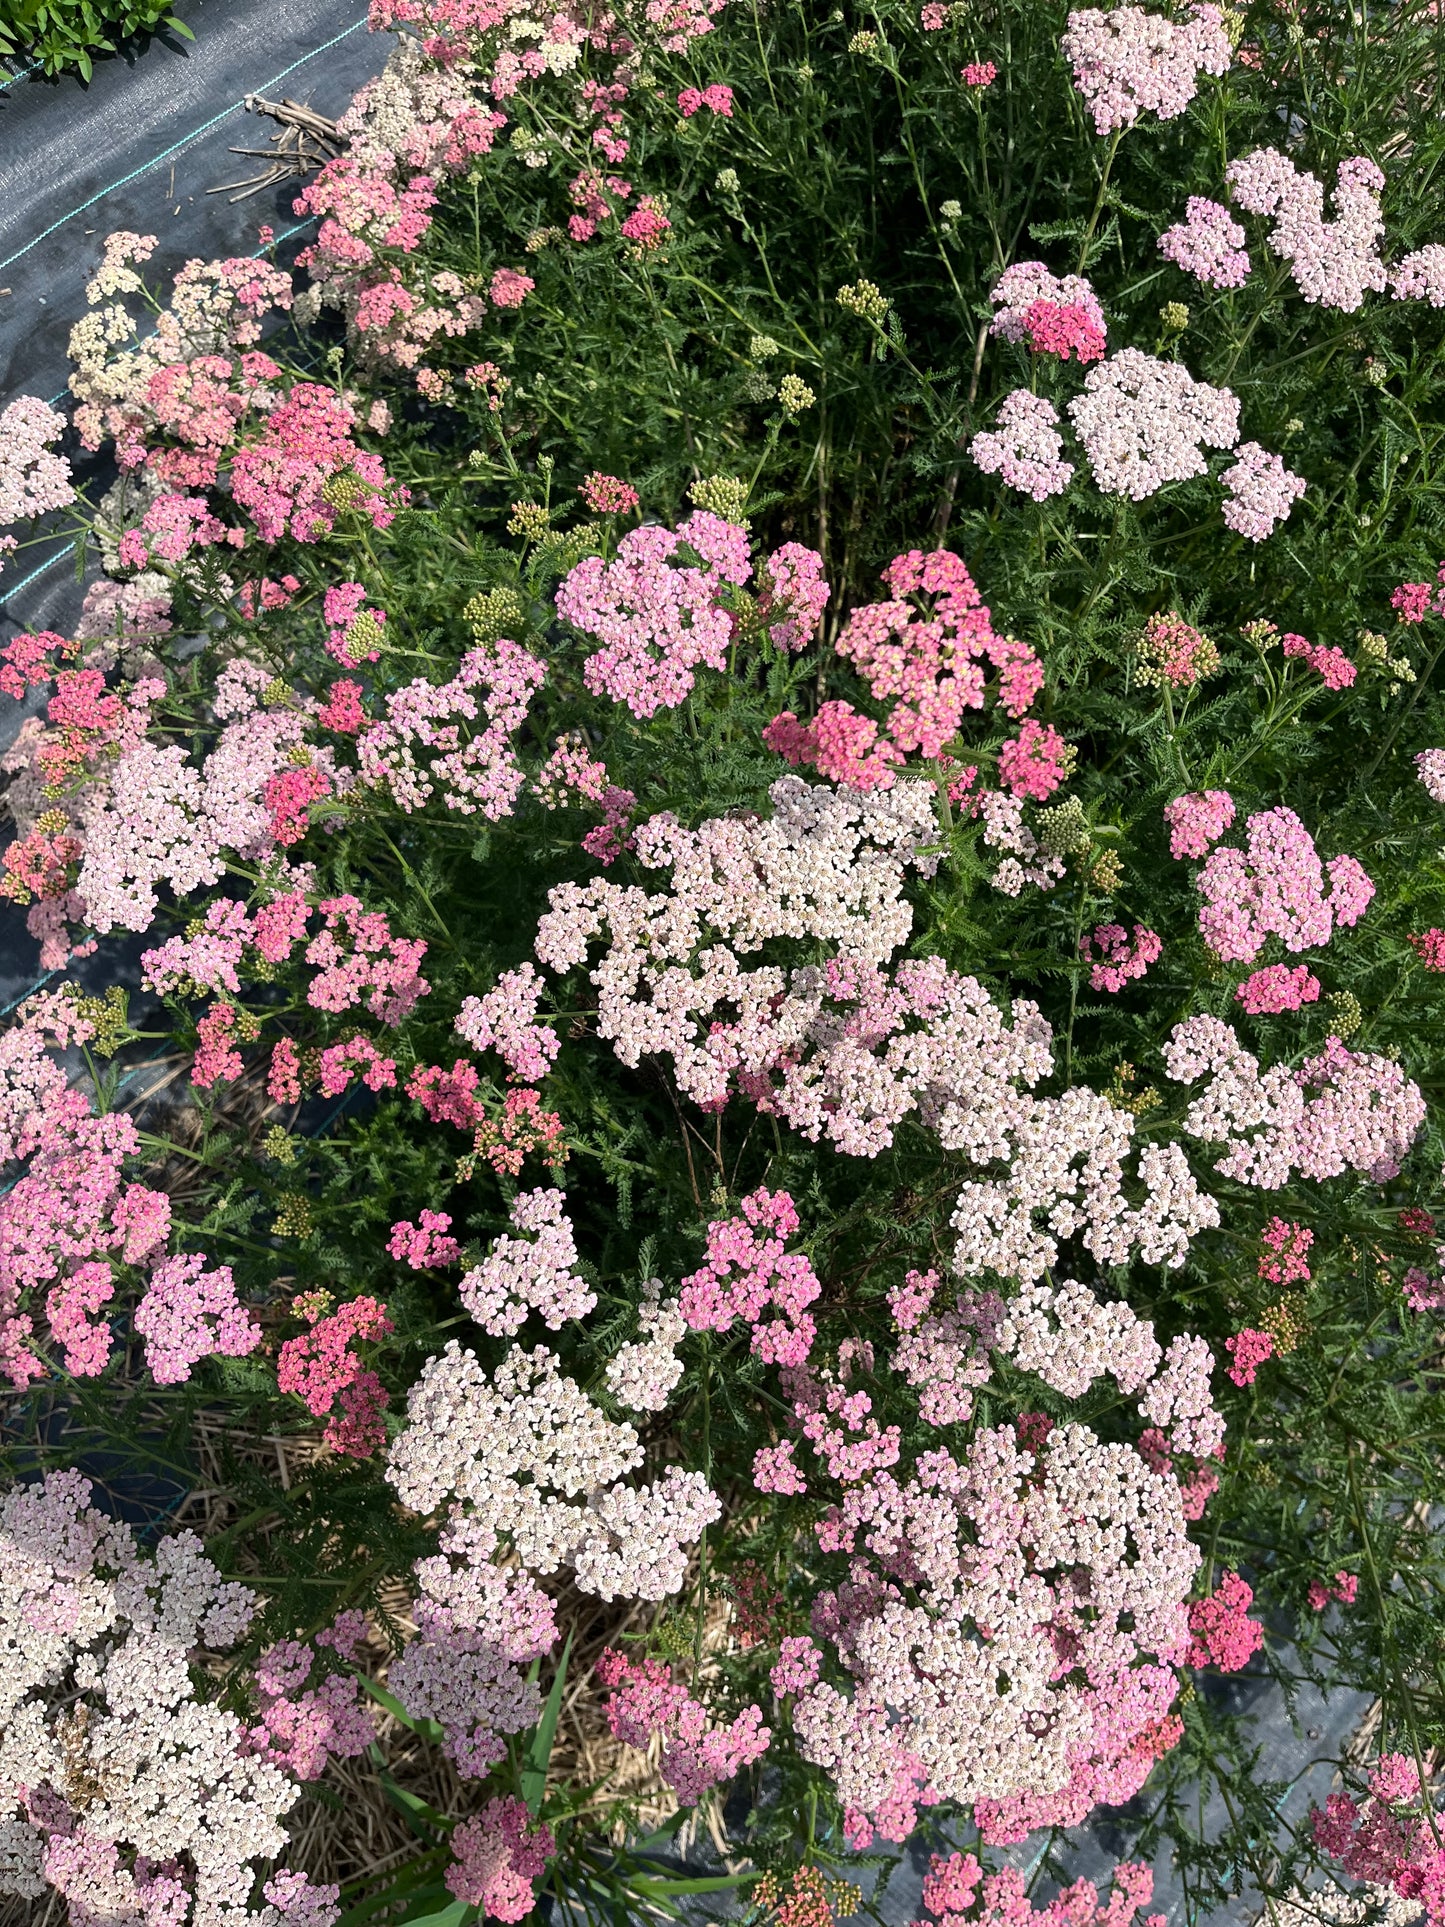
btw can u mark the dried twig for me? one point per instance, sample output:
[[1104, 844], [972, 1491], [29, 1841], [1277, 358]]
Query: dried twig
[[305, 141]]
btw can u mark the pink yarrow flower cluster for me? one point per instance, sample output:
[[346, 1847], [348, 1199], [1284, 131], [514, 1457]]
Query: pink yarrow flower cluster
[[322, 1370], [1334, 263], [1052, 317], [1389, 1838], [1198, 820], [1221, 1633], [1285, 1258], [498, 1856], [1331, 665], [1128, 62], [1025, 447], [1207, 244], [658, 617], [33, 481], [1117, 958], [1249, 1349], [473, 769], [1143, 422], [1261, 492], [189, 1313], [1278, 988], [958, 1892], [1276, 887], [749, 1273], [308, 1719], [646, 1702]]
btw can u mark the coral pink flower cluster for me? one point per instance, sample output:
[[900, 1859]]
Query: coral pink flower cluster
[[1332, 666], [1278, 988], [1198, 820], [1128, 62], [1249, 1349], [1052, 317], [321, 1368], [1220, 1632], [1388, 1838], [1275, 887]]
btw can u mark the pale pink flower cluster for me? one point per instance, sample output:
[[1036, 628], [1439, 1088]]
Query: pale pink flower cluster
[[642, 1377], [1025, 861], [1117, 958], [1197, 820], [1276, 888], [1420, 276], [1261, 492], [470, 769], [645, 1702], [943, 1354], [1043, 1568], [1065, 1158], [32, 480], [1430, 768], [1128, 62], [748, 1273], [1364, 1117], [1143, 422], [1207, 244], [504, 1020], [1333, 262], [571, 774], [122, 1790], [531, 1273], [1025, 447], [658, 619], [498, 1856], [475, 1441]]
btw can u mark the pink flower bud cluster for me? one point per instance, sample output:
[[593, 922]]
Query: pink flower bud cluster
[[1276, 888], [1207, 244], [748, 1273], [608, 495], [351, 641], [1025, 447], [960, 1894], [321, 1369], [504, 1020], [498, 1855], [644, 1702], [531, 1273], [133, 1798], [1364, 1118], [471, 770], [32, 480], [1128, 62], [1198, 820], [1334, 262], [1121, 958], [658, 620]]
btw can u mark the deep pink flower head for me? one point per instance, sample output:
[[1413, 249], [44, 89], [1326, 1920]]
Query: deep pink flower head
[[1198, 820], [1222, 1634], [1120, 958], [979, 73], [1278, 988], [1249, 1349], [1035, 762]]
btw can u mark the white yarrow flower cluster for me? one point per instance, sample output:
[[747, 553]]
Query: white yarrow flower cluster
[[644, 1376], [530, 1273]]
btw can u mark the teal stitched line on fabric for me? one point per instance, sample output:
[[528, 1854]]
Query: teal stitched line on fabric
[[194, 135]]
